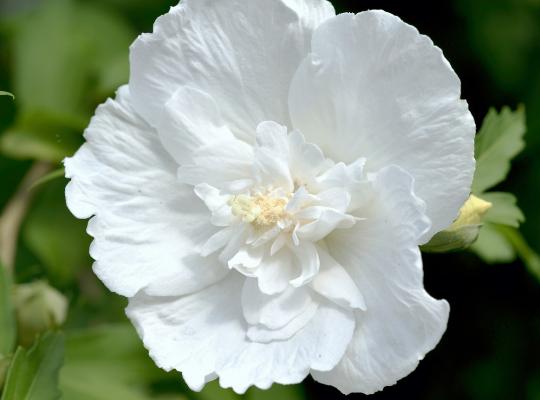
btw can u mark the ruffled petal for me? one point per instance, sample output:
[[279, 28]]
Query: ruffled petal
[[307, 259], [203, 335], [145, 223], [272, 156], [243, 54], [402, 321], [247, 258], [276, 271], [273, 312], [224, 164], [374, 87], [306, 160], [326, 221], [190, 119], [335, 283], [217, 203]]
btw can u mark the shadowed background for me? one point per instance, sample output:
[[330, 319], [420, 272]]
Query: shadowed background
[[62, 58]]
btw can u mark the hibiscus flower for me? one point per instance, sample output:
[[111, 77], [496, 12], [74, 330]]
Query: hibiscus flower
[[261, 186]]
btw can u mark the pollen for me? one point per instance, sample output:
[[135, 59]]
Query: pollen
[[261, 210]]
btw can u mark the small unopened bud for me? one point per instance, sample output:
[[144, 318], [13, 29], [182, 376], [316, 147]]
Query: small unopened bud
[[465, 229], [38, 308]]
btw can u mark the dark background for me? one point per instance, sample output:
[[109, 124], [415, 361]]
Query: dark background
[[491, 349]]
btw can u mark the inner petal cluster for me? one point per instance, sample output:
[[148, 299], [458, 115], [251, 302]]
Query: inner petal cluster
[[273, 207]]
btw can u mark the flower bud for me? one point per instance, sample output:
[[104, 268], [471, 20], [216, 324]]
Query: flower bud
[[38, 308], [464, 231]]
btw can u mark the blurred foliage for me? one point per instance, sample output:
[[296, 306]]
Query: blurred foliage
[[95, 365], [61, 58], [33, 373]]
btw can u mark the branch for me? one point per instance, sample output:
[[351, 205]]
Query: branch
[[14, 212]]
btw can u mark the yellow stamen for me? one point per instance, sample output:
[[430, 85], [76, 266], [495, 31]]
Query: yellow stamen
[[260, 209]]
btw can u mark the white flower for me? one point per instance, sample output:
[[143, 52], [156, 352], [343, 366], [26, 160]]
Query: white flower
[[260, 188]]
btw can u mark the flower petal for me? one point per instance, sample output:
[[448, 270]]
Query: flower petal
[[204, 336], [275, 311], [221, 164], [263, 334], [308, 263], [306, 160], [216, 203], [326, 221], [243, 54], [402, 322], [145, 223], [335, 283], [374, 87], [190, 119], [247, 258], [276, 271], [272, 156]]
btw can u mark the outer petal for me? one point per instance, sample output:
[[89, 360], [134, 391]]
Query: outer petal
[[402, 322], [145, 223], [374, 87], [190, 119], [334, 283], [204, 336], [222, 164], [276, 311], [242, 53]]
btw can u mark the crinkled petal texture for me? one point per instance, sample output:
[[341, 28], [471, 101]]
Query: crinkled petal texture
[[403, 322], [374, 87], [359, 341], [204, 335], [260, 189], [242, 53], [145, 224]]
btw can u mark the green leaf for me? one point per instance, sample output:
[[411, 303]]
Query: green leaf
[[499, 140], [107, 363], [7, 94], [45, 144], [33, 374], [76, 46], [62, 246], [281, 392], [492, 246], [212, 391], [42, 136], [504, 209], [8, 327], [82, 54], [4, 366]]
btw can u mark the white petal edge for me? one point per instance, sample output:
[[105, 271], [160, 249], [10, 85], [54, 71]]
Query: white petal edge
[[203, 335], [374, 87], [402, 321], [144, 223], [246, 67]]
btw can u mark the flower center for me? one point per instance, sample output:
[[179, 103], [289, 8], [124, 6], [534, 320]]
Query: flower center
[[260, 209]]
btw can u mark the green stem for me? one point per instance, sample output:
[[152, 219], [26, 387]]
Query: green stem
[[529, 257], [14, 213]]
